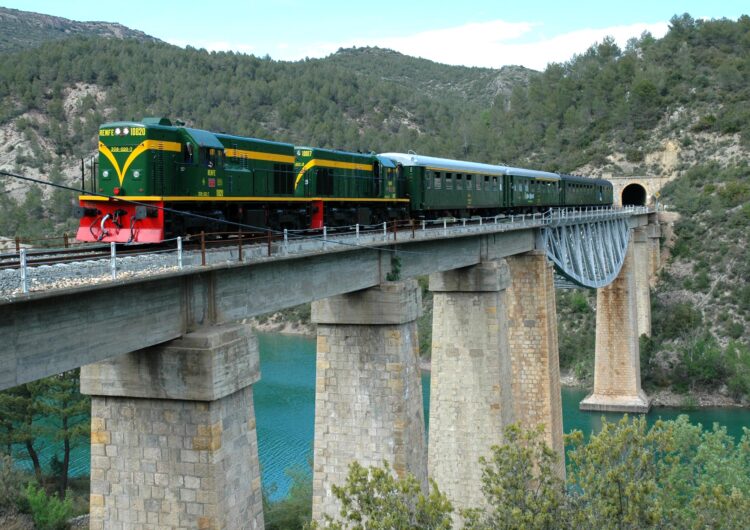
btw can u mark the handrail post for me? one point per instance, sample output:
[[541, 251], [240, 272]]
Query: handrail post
[[325, 236], [270, 241], [445, 226], [113, 259], [385, 230], [24, 279], [179, 252], [356, 229], [424, 225], [239, 246], [286, 242], [411, 222], [66, 243], [203, 248], [18, 244]]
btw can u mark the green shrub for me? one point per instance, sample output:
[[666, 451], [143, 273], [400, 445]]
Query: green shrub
[[703, 361], [11, 481], [48, 512]]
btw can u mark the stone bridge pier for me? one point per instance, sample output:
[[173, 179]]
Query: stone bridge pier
[[368, 391], [623, 313], [173, 438], [494, 362]]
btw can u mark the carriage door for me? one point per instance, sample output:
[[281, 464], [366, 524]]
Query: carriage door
[[377, 179]]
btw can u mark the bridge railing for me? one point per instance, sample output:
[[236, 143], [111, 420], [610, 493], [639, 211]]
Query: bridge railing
[[205, 249]]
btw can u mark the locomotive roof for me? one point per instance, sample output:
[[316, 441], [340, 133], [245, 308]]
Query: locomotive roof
[[270, 143], [335, 153], [204, 138], [584, 180], [447, 164]]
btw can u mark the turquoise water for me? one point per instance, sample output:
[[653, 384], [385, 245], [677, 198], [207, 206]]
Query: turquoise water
[[285, 403]]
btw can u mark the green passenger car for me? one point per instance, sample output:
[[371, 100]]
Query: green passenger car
[[443, 187], [581, 191]]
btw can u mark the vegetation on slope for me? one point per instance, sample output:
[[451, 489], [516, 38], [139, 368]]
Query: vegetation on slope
[[673, 475], [23, 29], [608, 111]]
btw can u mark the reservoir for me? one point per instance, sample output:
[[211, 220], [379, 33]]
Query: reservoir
[[285, 403]]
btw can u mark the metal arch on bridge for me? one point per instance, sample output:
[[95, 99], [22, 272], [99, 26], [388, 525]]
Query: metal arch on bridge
[[588, 247]]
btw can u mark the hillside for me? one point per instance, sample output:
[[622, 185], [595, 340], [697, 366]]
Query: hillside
[[481, 85], [23, 29], [676, 107]]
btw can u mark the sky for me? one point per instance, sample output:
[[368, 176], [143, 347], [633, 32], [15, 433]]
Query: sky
[[487, 33]]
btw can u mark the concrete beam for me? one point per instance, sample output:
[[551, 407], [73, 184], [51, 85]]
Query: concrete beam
[[46, 333]]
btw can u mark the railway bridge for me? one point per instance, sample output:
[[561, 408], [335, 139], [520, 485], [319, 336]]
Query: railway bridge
[[170, 366]]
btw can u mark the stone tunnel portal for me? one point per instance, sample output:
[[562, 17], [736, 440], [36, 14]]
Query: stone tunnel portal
[[634, 195]]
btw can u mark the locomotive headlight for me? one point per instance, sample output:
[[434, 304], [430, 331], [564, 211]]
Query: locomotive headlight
[[105, 173], [125, 131], [136, 174], [117, 131]]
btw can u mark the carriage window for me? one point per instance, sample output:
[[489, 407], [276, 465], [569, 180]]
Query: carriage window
[[494, 183], [428, 181], [486, 182], [438, 180], [459, 181], [449, 181]]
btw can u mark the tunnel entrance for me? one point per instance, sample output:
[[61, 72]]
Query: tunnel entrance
[[634, 195]]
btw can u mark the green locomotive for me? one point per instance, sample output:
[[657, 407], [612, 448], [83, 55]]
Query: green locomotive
[[151, 171]]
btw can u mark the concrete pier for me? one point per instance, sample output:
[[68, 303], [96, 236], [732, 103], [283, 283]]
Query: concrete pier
[[470, 395], [368, 393], [532, 336], [617, 370], [173, 437]]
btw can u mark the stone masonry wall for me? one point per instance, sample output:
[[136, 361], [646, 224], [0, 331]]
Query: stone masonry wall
[[470, 398], [173, 436], [641, 258], [368, 394], [617, 372], [174, 464], [532, 335]]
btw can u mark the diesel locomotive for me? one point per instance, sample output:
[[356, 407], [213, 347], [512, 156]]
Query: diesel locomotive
[[152, 172]]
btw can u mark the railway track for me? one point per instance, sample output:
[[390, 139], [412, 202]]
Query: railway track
[[95, 251]]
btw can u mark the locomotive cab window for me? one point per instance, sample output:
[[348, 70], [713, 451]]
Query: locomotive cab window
[[211, 157], [188, 153]]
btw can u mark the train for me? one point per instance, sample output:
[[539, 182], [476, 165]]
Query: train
[[156, 180]]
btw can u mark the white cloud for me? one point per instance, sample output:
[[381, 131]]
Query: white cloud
[[489, 44], [495, 44]]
